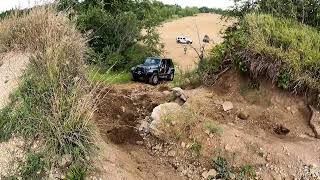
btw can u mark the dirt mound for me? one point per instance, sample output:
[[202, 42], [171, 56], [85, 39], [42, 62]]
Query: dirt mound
[[120, 109], [123, 155]]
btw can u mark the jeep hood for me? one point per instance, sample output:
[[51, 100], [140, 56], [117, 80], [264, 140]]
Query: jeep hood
[[147, 67]]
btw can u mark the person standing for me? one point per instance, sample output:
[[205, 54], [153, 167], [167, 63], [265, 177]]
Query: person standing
[[185, 49]]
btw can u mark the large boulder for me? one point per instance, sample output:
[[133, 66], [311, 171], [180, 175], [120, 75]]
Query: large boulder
[[159, 113]]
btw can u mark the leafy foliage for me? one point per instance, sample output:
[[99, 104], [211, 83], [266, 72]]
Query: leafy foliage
[[115, 28], [223, 168], [304, 11]]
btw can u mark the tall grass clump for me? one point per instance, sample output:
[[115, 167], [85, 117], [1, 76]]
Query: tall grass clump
[[53, 102], [280, 49]]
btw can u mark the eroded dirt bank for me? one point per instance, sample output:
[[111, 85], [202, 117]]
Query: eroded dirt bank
[[266, 129]]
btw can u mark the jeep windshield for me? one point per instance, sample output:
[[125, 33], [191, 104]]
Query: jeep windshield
[[151, 62]]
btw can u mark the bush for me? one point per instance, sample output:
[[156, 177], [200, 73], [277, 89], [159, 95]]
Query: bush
[[223, 168], [304, 11], [213, 63]]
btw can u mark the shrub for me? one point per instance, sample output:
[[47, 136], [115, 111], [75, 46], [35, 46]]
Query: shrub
[[213, 63], [223, 168]]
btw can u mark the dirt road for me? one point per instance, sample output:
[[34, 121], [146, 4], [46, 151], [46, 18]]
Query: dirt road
[[207, 24]]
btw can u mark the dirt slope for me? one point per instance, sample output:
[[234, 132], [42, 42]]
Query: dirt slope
[[208, 24]]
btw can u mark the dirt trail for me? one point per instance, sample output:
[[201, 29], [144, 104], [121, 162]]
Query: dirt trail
[[208, 24], [11, 68], [275, 138]]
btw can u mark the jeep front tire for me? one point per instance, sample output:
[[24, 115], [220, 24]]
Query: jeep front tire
[[154, 79]]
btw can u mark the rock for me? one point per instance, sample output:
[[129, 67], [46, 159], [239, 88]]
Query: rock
[[173, 123], [243, 115], [144, 127], [315, 122], [172, 153], [212, 173], [139, 142], [123, 109], [65, 160], [227, 106], [6, 81], [178, 93], [232, 176], [207, 132], [183, 144], [157, 147], [183, 97], [157, 115]]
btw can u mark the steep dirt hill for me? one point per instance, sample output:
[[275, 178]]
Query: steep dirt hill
[[207, 24]]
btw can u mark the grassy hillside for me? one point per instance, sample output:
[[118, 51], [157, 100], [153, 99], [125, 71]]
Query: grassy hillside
[[53, 105], [283, 50]]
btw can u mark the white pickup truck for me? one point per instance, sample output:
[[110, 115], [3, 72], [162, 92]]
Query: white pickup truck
[[183, 40]]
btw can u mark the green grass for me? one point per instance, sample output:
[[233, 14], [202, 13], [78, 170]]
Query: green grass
[[187, 78], [284, 50], [226, 170], [96, 75], [34, 167], [213, 128], [196, 147]]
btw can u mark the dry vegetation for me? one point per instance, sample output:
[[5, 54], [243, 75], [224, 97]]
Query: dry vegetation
[[53, 103]]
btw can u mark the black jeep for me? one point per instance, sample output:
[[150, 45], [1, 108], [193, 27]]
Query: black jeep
[[154, 69]]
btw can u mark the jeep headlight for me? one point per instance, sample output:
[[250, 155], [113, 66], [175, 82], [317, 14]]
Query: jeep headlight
[[133, 68]]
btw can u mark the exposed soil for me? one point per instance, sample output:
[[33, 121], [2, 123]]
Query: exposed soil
[[11, 68], [276, 139], [120, 109]]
